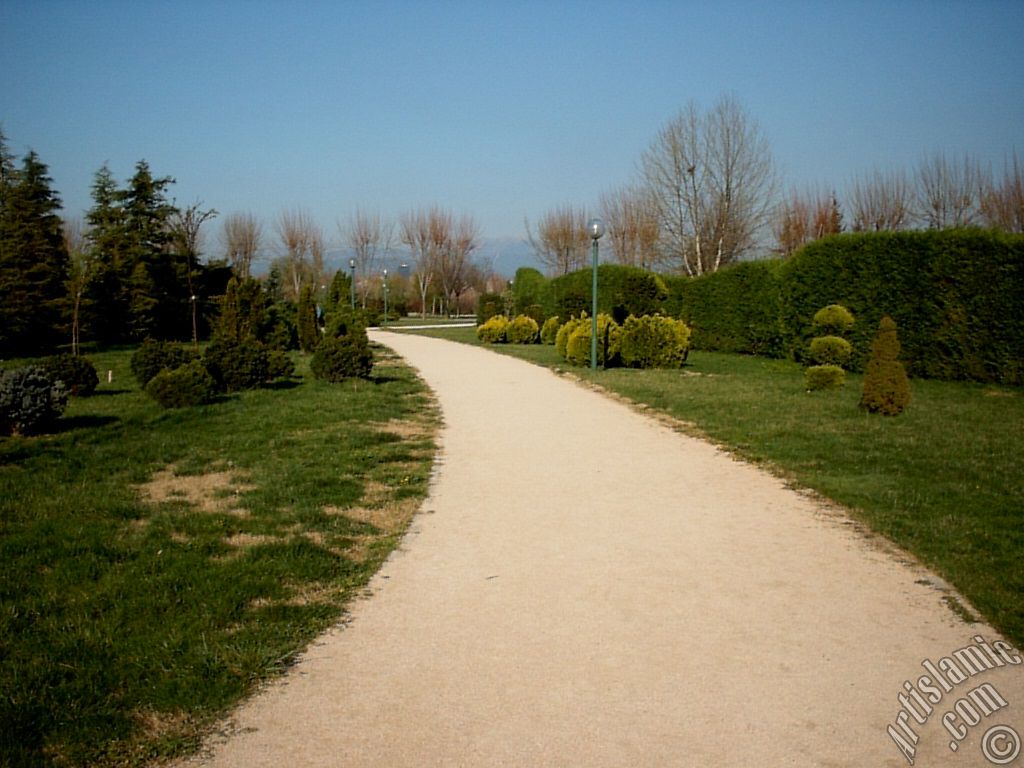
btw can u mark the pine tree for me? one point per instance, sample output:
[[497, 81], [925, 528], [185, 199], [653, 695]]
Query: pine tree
[[33, 259], [107, 289], [309, 334]]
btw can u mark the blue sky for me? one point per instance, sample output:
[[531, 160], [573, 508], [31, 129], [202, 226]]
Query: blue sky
[[502, 110]]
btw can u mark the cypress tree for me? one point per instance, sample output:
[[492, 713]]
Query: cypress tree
[[886, 386], [309, 334]]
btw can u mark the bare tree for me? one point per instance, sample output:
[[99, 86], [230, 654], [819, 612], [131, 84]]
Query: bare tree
[[805, 217], [631, 219], [712, 180], [416, 234], [299, 237], [561, 239], [880, 202], [454, 256], [242, 236], [186, 233], [369, 237], [947, 192], [1002, 203], [79, 272]]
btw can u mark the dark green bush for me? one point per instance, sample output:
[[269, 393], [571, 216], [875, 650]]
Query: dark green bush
[[31, 400], [185, 386], [279, 364], [824, 377], [493, 331], [886, 387], [522, 330], [489, 305], [154, 356], [653, 341], [621, 291], [577, 350], [277, 328], [78, 374], [830, 350], [549, 331], [737, 309], [343, 357], [237, 365]]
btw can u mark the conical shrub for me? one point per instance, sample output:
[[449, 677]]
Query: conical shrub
[[886, 386]]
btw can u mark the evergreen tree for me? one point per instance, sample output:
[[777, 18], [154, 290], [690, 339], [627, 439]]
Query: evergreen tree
[[107, 289], [33, 259], [309, 333]]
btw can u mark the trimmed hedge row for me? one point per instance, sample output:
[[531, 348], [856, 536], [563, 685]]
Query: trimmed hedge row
[[956, 295], [622, 291]]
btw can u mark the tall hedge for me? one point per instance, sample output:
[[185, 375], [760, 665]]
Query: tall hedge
[[738, 309], [621, 291], [956, 295]]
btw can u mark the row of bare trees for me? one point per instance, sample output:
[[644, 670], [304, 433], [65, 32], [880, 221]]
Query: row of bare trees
[[440, 244], [706, 194]]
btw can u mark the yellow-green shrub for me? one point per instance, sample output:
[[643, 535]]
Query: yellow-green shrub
[[833, 320], [830, 350], [493, 331], [562, 337], [824, 377], [549, 331], [654, 341], [886, 386], [577, 350], [522, 330]]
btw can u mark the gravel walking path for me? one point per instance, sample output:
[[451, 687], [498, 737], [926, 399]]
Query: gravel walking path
[[586, 587]]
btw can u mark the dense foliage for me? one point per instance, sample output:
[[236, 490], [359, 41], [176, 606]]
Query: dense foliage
[[31, 400], [77, 373], [522, 330], [609, 334], [886, 387], [342, 357], [153, 356], [654, 341], [188, 385], [493, 330], [621, 291]]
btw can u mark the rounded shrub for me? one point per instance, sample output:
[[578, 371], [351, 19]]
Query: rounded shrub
[[343, 357], [185, 386], [237, 365], [833, 320], [549, 331], [279, 364], [654, 341], [522, 330], [886, 386], [565, 331], [78, 374], [493, 331], [154, 356], [577, 350], [31, 400], [830, 350], [824, 377]]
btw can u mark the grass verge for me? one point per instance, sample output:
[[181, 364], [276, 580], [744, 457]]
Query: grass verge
[[155, 566], [944, 480]]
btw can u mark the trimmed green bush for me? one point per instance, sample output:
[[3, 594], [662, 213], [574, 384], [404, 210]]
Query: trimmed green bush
[[654, 341], [78, 374], [31, 400], [154, 356], [493, 331], [344, 357], [279, 364], [577, 350], [522, 330], [886, 386], [830, 350], [185, 386], [824, 377], [833, 320], [549, 331], [565, 331], [736, 309], [622, 291], [237, 365], [489, 305]]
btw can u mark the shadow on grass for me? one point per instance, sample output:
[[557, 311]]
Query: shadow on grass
[[283, 384], [71, 423]]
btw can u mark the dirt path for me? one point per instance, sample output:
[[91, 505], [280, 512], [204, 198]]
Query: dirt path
[[586, 587]]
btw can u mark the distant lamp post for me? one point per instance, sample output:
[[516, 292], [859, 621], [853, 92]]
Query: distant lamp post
[[352, 286], [385, 297], [595, 228], [195, 324]]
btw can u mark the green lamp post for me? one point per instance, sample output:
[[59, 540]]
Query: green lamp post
[[595, 228]]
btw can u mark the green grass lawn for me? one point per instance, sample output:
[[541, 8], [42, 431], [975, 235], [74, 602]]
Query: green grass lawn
[[945, 479], [155, 565]]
